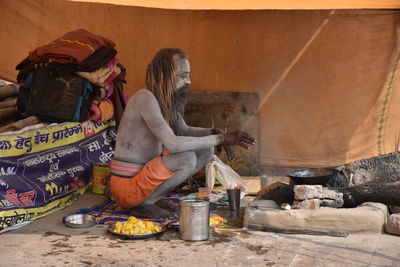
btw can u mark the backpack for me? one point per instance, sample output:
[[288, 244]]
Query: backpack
[[56, 98]]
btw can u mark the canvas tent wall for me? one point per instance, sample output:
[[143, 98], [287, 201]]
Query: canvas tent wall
[[327, 79]]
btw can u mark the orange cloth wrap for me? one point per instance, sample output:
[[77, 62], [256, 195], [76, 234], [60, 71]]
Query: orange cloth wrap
[[130, 192]]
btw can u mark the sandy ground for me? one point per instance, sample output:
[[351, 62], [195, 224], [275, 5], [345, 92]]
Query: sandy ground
[[47, 242]]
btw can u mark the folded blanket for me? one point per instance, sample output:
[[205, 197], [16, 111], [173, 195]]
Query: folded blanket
[[102, 110], [73, 47], [104, 75]]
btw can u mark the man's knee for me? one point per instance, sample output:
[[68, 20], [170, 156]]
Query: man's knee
[[205, 155], [209, 153], [188, 161], [184, 161]]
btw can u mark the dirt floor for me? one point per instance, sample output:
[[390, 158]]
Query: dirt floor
[[47, 242]]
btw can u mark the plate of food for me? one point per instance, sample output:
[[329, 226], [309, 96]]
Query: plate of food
[[135, 228]]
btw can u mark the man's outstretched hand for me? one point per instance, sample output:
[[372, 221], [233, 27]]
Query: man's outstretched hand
[[238, 137], [234, 138], [228, 149]]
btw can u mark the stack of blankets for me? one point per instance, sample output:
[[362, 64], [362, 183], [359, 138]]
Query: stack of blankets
[[8, 100], [90, 56]]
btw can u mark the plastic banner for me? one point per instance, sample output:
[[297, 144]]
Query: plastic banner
[[44, 170]]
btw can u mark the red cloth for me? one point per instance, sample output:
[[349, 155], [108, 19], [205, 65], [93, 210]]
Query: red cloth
[[73, 47]]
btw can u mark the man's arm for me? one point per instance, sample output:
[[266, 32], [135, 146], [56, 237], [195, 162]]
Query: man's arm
[[198, 131], [150, 111], [194, 131]]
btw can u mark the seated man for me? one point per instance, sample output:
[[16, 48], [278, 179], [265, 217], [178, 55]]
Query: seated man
[[155, 149]]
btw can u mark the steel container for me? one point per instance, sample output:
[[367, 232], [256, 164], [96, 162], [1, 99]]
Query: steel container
[[194, 219]]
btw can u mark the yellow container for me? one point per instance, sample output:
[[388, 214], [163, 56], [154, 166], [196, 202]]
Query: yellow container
[[100, 177]]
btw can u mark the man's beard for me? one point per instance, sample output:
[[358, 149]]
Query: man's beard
[[179, 104]]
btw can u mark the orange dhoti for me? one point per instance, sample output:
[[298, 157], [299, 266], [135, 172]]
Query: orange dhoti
[[131, 184]]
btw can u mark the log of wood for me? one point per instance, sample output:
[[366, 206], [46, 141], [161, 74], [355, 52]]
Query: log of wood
[[278, 192], [380, 169], [8, 114], [8, 103], [18, 125], [386, 193], [8, 90]]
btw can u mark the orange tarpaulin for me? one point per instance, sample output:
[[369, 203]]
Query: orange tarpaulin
[[327, 79]]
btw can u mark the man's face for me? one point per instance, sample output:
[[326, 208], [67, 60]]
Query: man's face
[[182, 74], [181, 82]]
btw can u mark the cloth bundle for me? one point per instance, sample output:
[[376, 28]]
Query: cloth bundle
[[91, 57]]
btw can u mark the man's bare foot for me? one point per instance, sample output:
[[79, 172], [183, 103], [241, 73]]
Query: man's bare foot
[[165, 204], [151, 211]]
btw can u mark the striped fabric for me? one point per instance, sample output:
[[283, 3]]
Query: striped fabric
[[124, 169]]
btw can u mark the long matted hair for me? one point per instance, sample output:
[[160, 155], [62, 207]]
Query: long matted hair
[[160, 81]]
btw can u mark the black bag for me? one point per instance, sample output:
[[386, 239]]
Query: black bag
[[54, 97]]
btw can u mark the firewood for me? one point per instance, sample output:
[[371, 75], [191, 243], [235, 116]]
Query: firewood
[[8, 90], [278, 192], [18, 125], [7, 114], [380, 169], [8, 103], [386, 193]]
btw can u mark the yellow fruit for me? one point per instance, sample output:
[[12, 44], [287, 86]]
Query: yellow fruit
[[216, 220], [141, 224], [134, 226], [149, 224], [118, 227], [133, 219], [147, 231], [128, 226]]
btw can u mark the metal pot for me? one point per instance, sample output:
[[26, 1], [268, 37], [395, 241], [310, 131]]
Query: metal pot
[[318, 176], [194, 219]]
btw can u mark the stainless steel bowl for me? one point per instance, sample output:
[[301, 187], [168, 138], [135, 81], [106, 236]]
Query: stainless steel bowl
[[79, 221], [312, 176]]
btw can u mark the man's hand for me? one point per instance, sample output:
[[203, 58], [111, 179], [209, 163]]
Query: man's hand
[[238, 137], [228, 149]]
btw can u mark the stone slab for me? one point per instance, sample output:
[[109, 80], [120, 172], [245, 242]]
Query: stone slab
[[368, 217], [393, 224], [333, 203], [302, 192], [307, 204]]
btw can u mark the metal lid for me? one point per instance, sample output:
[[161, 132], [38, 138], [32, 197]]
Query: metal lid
[[195, 201]]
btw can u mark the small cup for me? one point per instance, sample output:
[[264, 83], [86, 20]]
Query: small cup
[[234, 199]]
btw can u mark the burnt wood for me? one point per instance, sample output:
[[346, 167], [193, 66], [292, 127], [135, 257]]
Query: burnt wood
[[386, 193], [380, 169]]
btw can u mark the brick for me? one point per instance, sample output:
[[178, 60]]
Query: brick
[[309, 204], [393, 224], [333, 203], [302, 192]]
